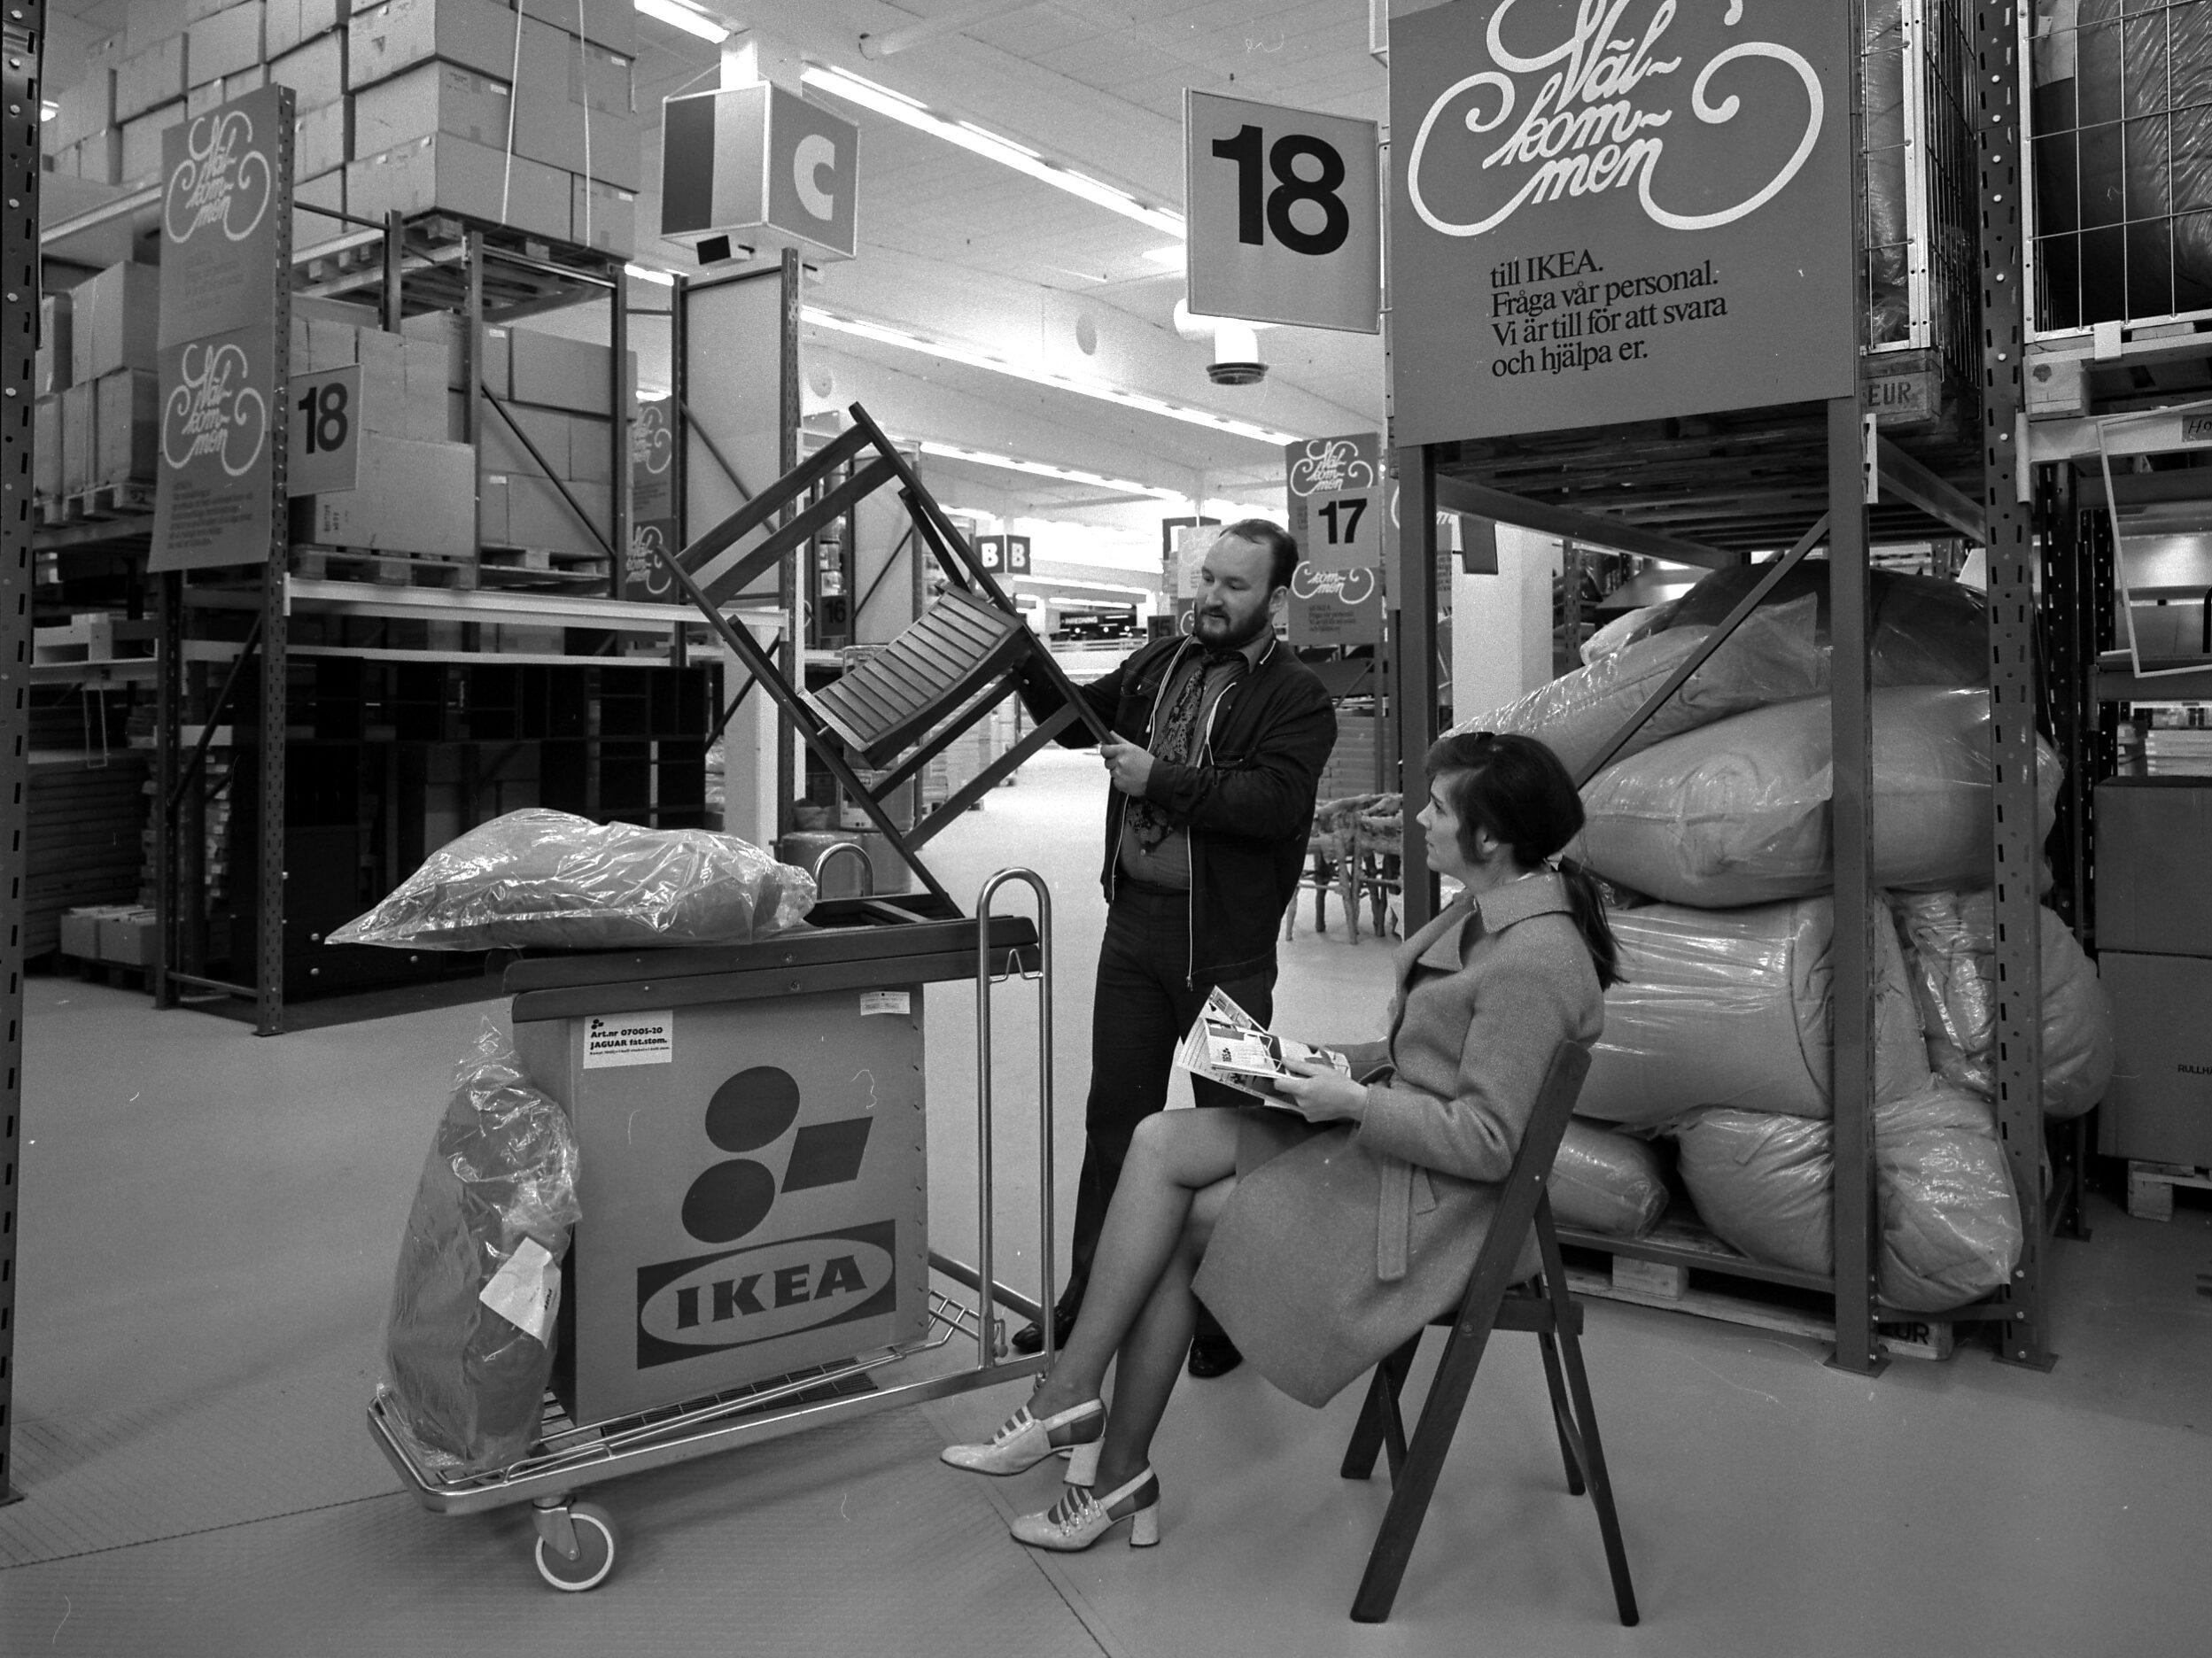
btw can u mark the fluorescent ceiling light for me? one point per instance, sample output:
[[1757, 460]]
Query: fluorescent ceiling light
[[643, 273], [1040, 469], [976, 357], [677, 15], [980, 141], [1166, 258]]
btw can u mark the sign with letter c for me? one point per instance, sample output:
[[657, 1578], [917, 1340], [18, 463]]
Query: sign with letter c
[[762, 165]]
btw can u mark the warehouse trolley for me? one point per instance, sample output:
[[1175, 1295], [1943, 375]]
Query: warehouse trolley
[[753, 1253]]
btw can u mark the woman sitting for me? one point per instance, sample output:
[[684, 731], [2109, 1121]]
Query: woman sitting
[[1331, 1236]]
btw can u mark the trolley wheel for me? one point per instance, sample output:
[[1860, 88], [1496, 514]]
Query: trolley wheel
[[596, 1543]]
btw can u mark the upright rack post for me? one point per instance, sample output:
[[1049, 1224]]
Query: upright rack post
[[1413, 678], [2017, 990], [22, 43]]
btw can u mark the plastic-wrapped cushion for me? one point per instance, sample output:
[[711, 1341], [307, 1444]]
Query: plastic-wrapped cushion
[[540, 879], [465, 1383], [1606, 1181], [1733, 1008], [1882, 89], [1770, 658], [1627, 625], [1950, 1228], [1925, 631], [1951, 940], [1763, 1183], [1738, 812]]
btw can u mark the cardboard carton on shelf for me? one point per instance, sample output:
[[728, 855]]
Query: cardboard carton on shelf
[[53, 364], [286, 23], [225, 44], [310, 229], [441, 334], [431, 98], [46, 448], [562, 129], [194, 10], [151, 75], [603, 217], [425, 378], [492, 510], [441, 171], [141, 159], [410, 497], [127, 426], [564, 373], [99, 159], [150, 22], [538, 516], [590, 449], [500, 450], [610, 23], [603, 80], [80, 111], [210, 96], [130, 940], [383, 40], [314, 70], [78, 422], [2159, 1107]]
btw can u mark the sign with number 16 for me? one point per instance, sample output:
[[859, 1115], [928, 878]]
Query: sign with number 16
[[1284, 210]]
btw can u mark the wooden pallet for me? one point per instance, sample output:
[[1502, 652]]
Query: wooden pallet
[[2151, 1187], [97, 505], [1933, 1338], [540, 567], [384, 570], [434, 267]]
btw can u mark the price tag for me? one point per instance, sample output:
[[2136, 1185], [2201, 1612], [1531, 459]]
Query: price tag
[[1345, 528], [1285, 210], [322, 437]]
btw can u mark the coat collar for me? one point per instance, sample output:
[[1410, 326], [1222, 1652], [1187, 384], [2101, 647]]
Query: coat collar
[[1442, 943]]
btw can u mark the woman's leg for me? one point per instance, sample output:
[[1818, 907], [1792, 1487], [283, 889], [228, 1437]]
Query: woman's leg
[[1174, 1156]]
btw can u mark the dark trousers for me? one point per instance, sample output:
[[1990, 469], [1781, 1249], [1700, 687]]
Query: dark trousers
[[1139, 1012]]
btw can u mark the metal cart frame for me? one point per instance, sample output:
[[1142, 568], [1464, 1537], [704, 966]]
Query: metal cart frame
[[571, 1455]]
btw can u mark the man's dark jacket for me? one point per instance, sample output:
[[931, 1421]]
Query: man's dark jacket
[[1247, 799]]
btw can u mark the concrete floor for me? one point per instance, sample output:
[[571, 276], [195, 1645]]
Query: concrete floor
[[207, 1230]]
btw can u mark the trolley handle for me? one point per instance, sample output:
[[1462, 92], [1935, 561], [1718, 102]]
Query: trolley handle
[[984, 979]]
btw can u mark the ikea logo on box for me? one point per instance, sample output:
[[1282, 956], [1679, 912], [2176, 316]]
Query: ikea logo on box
[[712, 1303]]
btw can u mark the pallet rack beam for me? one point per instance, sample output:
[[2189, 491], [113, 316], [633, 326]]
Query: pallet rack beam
[[1461, 495], [22, 43]]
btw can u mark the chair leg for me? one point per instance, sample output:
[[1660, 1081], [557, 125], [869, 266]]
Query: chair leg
[[1379, 1417], [1562, 1414], [1600, 1486]]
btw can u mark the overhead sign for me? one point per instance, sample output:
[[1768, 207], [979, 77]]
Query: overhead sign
[[757, 159], [322, 437], [1327, 471], [1618, 212], [1003, 555], [1283, 209], [225, 194]]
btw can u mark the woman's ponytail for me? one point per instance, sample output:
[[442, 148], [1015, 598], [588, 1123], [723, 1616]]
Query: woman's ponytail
[[1587, 902]]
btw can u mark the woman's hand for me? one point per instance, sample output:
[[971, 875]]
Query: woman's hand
[[1323, 1093]]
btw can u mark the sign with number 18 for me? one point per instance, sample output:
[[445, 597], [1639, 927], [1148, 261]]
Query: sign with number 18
[[1284, 210]]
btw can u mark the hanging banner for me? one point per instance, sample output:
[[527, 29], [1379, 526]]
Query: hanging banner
[[215, 500], [226, 216], [1616, 211], [653, 502]]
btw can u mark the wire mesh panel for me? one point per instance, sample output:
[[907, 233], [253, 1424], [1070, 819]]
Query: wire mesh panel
[[2120, 98], [1919, 181]]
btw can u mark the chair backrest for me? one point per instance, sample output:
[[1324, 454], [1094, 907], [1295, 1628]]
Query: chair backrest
[[1523, 1186]]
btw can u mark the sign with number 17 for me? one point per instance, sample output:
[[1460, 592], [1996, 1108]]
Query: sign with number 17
[[1284, 210]]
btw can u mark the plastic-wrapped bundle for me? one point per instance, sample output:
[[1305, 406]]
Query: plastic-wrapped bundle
[[1733, 1008], [1950, 1228], [1882, 89], [469, 1346], [1629, 624], [540, 879], [1606, 1181], [1738, 812], [1924, 632], [1770, 658], [1951, 937]]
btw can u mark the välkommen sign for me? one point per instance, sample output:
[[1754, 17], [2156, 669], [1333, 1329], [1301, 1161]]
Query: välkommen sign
[[1616, 210]]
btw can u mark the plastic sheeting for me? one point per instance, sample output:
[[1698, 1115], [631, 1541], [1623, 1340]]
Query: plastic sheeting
[[1925, 631], [1950, 1219], [1882, 91], [465, 1382], [1627, 625], [1771, 658], [1733, 1008], [540, 879], [1952, 940], [1606, 1181], [1738, 812]]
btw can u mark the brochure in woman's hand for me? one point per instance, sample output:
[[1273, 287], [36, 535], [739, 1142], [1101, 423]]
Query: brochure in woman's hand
[[1228, 1046]]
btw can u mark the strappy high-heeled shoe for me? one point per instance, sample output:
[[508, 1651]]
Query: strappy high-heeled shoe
[[1024, 1441], [1080, 1519]]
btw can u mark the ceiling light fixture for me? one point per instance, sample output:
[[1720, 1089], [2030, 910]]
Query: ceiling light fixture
[[1166, 258], [1040, 469], [981, 141], [688, 19], [976, 357], [645, 272]]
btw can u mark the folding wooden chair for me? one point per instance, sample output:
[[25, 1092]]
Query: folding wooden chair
[[1493, 1302]]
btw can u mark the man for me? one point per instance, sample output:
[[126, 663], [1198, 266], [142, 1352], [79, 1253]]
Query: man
[[1222, 737]]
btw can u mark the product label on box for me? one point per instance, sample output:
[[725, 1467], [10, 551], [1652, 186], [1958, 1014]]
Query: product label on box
[[526, 1290], [885, 1002], [629, 1039]]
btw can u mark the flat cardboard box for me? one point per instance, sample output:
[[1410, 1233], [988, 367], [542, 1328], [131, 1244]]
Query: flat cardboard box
[[130, 939], [502, 452], [55, 313], [81, 110], [194, 10], [491, 509], [225, 44], [289, 22], [314, 70], [78, 424], [127, 421], [431, 98], [441, 171], [443, 332], [142, 142], [456, 417], [563, 374], [411, 497], [426, 374], [99, 159], [603, 81], [537, 516], [330, 345], [602, 216], [210, 96], [2159, 1107], [80, 934], [383, 40], [2153, 853], [384, 383], [611, 23], [150, 76], [322, 139], [151, 21], [591, 452], [115, 321], [46, 448]]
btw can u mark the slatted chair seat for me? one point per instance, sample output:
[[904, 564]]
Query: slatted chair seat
[[885, 703]]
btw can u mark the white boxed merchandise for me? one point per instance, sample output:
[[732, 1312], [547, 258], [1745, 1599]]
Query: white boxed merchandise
[[590, 449], [289, 22], [538, 517], [78, 424], [441, 171], [46, 448], [153, 21], [611, 23], [55, 316], [212, 94], [431, 98], [80, 111], [314, 70], [127, 426], [225, 44], [149, 75], [311, 229], [564, 373], [410, 497], [602, 216], [383, 40], [99, 159], [322, 139], [502, 452], [443, 331], [114, 321], [142, 142]]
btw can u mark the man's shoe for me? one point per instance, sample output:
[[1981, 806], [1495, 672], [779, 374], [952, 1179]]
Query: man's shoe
[[1030, 1339], [1212, 1356]]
